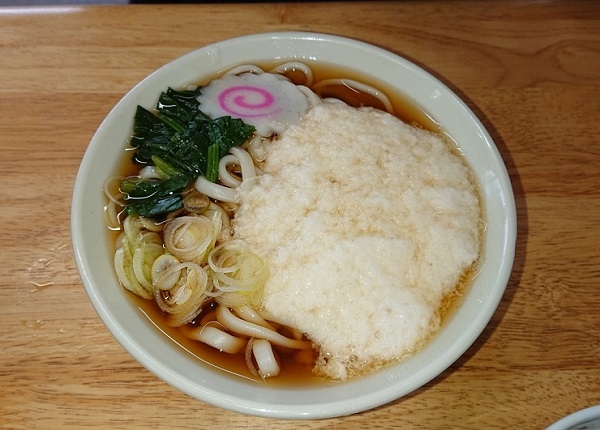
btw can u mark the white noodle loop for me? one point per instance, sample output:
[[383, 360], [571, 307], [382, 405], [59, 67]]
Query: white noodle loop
[[265, 359], [238, 325], [225, 176], [116, 204], [245, 68], [216, 191], [356, 86], [217, 338], [237, 157], [295, 66], [248, 313]]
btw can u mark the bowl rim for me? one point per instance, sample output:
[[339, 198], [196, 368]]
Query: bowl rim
[[578, 418], [316, 402]]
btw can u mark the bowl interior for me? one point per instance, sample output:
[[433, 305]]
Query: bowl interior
[[157, 352]]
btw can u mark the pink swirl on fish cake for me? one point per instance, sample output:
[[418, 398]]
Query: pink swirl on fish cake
[[247, 101]]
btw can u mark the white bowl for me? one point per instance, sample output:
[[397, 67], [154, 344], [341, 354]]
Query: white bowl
[[168, 361], [585, 419]]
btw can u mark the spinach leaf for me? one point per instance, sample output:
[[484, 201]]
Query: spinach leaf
[[178, 108], [227, 132], [154, 198], [181, 142]]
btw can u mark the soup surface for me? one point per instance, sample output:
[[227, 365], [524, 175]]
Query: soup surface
[[297, 368]]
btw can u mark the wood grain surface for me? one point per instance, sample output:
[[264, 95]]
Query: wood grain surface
[[529, 69]]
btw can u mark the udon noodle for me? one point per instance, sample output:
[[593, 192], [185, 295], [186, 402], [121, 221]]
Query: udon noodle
[[190, 260]]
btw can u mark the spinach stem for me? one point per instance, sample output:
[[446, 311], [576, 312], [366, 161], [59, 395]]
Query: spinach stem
[[212, 163]]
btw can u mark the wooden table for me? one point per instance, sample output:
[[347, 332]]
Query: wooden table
[[529, 69]]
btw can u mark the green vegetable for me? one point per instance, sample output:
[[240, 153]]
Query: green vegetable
[[212, 163], [182, 143], [152, 197]]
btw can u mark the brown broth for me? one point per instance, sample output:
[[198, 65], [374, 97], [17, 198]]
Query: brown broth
[[404, 109], [294, 373]]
